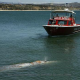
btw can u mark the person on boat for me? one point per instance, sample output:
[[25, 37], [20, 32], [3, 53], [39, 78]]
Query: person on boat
[[57, 15], [53, 22], [71, 16], [53, 17]]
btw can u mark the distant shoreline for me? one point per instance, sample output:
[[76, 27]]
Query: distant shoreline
[[32, 10], [25, 10]]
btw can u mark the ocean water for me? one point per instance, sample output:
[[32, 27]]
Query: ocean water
[[24, 40]]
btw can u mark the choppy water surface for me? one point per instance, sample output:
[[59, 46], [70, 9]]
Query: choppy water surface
[[24, 40]]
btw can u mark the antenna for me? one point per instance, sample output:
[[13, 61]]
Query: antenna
[[67, 4]]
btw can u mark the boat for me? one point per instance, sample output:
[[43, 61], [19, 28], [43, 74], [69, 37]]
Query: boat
[[62, 22]]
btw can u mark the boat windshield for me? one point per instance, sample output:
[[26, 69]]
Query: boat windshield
[[62, 15], [62, 22]]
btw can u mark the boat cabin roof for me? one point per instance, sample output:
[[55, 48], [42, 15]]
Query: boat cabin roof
[[63, 11]]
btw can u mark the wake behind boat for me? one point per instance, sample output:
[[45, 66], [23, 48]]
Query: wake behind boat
[[62, 22]]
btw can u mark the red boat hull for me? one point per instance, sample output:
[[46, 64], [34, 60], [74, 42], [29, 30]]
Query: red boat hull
[[61, 30]]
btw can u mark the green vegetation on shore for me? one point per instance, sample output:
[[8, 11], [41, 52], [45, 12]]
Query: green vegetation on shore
[[71, 6]]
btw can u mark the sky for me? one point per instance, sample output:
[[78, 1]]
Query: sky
[[40, 1]]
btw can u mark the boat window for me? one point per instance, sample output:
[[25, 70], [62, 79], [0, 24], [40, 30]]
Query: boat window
[[61, 14], [69, 23], [62, 22], [50, 22]]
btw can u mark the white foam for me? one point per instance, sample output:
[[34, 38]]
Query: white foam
[[23, 65]]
